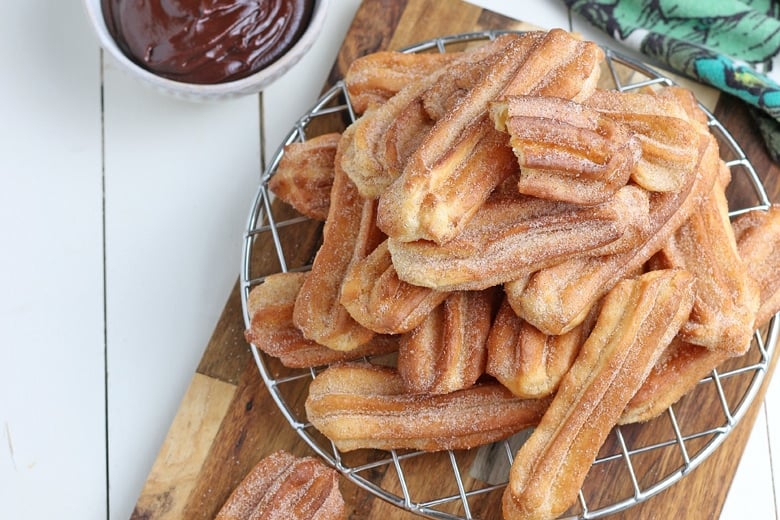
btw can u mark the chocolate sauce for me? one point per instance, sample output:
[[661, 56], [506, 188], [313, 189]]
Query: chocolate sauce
[[206, 41]]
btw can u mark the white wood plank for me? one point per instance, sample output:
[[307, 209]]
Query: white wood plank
[[52, 438], [750, 495], [772, 409], [180, 177], [543, 13]]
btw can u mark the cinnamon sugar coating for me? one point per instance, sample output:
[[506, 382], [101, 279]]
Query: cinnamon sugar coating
[[282, 486]]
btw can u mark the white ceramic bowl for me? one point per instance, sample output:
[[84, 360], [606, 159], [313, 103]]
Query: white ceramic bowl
[[248, 85]]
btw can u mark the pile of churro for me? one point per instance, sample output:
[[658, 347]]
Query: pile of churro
[[537, 250]]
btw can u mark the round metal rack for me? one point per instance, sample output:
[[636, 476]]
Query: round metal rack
[[732, 386]]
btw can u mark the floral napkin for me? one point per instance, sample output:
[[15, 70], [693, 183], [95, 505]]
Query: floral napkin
[[723, 43]]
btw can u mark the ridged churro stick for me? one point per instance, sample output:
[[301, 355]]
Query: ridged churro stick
[[364, 406], [305, 173], [448, 351], [637, 321], [726, 298], [566, 151], [283, 486], [511, 238], [527, 361], [758, 241], [373, 79], [377, 299], [349, 234]]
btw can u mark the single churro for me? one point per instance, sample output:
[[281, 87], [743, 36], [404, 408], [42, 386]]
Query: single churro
[[527, 361], [305, 173], [664, 128], [377, 299], [511, 238], [374, 78], [282, 486], [349, 234], [448, 351], [638, 319], [726, 298], [364, 406], [758, 242], [566, 151]]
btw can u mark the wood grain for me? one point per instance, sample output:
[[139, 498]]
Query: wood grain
[[228, 420]]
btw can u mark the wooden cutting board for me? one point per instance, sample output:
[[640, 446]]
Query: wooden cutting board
[[227, 420]]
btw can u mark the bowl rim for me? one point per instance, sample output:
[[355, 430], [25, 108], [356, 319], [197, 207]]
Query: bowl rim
[[252, 83]]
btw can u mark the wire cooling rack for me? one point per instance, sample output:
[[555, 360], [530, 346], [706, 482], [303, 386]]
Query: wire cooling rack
[[639, 461]]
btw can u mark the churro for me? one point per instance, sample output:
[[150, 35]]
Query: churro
[[726, 298], [271, 327], [684, 364], [508, 239], [527, 361], [448, 351], [377, 299], [665, 130], [283, 486], [374, 78], [638, 319], [305, 173], [365, 406], [758, 242], [349, 234], [566, 151]]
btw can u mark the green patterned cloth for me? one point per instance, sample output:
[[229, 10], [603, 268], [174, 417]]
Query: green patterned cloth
[[722, 43]]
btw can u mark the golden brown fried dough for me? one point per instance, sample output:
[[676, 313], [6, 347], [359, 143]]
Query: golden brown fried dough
[[448, 351], [349, 234], [726, 298], [758, 241], [566, 151], [436, 195], [364, 406], [637, 321], [373, 79], [527, 361], [304, 176], [366, 155], [271, 327], [664, 128], [378, 300], [412, 124], [683, 364], [511, 238], [282, 486], [556, 299]]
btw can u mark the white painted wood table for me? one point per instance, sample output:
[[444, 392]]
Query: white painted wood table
[[121, 218]]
